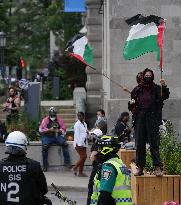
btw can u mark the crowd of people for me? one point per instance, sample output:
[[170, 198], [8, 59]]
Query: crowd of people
[[109, 182]]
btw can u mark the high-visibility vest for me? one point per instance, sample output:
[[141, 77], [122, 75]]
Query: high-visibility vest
[[122, 189]]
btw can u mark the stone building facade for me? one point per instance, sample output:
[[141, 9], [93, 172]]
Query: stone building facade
[[107, 33]]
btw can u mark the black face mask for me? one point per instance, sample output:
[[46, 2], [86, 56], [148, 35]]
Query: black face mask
[[148, 80]]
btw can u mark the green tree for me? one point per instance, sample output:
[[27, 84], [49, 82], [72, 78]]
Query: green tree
[[28, 33], [64, 25], [27, 25]]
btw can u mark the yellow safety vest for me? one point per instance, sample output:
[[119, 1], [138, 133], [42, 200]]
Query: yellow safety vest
[[122, 189]]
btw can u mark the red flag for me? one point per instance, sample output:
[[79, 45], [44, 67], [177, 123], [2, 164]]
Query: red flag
[[161, 29], [22, 63]]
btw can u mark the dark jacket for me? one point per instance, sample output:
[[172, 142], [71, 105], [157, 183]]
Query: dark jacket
[[22, 181], [156, 102], [122, 131]]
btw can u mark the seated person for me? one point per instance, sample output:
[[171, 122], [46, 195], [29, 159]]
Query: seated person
[[122, 130], [52, 129]]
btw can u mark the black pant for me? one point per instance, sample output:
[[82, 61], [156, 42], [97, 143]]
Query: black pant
[[91, 181], [147, 131]]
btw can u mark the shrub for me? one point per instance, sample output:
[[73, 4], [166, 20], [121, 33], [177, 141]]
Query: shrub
[[170, 152], [27, 126]]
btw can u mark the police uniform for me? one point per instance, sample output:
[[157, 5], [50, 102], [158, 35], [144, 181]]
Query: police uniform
[[112, 184], [21, 181]]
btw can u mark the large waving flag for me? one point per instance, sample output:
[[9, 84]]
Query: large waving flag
[[79, 48], [146, 35]]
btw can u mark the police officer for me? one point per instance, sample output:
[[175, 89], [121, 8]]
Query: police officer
[[112, 183], [21, 179]]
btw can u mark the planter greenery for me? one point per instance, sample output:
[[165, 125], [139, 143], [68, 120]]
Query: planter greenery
[[27, 126], [2, 89], [170, 152], [149, 189]]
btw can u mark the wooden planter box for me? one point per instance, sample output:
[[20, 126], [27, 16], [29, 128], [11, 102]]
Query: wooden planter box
[[152, 190], [127, 156]]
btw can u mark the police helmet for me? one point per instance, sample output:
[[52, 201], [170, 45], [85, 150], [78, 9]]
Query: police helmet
[[52, 111], [16, 142], [108, 144]]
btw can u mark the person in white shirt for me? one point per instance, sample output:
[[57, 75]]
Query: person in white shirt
[[80, 143]]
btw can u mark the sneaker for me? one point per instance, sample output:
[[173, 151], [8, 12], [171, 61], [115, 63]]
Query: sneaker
[[158, 172], [139, 172]]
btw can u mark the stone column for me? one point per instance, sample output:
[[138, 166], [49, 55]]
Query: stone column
[[94, 79]]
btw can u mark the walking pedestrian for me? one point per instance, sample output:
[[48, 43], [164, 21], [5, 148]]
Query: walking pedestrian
[[80, 143]]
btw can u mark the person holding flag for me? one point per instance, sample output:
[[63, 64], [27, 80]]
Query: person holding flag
[[147, 104], [146, 35]]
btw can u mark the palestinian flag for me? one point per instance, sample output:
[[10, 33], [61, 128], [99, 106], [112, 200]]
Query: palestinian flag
[[79, 48], [145, 35]]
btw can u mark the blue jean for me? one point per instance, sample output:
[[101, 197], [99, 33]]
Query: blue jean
[[48, 141]]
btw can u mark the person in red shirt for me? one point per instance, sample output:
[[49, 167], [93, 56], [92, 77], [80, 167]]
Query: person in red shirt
[[53, 130]]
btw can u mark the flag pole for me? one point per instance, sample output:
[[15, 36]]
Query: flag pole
[[113, 81], [161, 29], [109, 78], [161, 70]]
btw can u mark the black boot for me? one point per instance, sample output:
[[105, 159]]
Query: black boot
[[45, 168]]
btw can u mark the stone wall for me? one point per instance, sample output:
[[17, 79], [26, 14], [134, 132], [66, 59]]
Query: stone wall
[[94, 80], [55, 157], [124, 71]]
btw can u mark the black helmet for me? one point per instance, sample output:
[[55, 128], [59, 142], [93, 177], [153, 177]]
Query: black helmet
[[108, 144], [52, 112]]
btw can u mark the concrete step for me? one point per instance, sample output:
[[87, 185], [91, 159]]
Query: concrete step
[[57, 103], [69, 120], [66, 111], [69, 124], [58, 107], [68, 116]]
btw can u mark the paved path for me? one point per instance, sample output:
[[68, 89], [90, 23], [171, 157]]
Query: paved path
[[72, 186], [66, 180], [79, 197]]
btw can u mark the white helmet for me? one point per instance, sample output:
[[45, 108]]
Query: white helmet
[[17, 139], [97, 132]]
